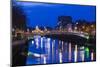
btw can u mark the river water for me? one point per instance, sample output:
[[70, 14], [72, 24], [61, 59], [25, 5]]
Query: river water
[[43, 50]]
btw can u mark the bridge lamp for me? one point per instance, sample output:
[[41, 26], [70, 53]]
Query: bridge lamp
[[92, 26], [75, 28], [32, 31], [83, 27], [76, 22]]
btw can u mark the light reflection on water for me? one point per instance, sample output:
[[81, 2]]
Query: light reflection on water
[[44, 50]]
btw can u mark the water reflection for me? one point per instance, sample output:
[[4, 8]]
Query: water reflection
[[43, 50]]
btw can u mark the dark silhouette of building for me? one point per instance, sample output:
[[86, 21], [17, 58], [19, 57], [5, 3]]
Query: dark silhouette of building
[[18, 18], [64, 22], [18, 22]]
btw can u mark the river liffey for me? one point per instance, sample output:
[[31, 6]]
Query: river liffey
[[44, 50]]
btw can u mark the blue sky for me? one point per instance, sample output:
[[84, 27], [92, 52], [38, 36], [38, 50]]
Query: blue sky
[[44, 14]]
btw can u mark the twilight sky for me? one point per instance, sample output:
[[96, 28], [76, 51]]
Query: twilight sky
[[44, 14]]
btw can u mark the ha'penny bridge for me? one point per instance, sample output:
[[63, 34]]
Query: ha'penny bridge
[[75, 37], [63, 35]]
